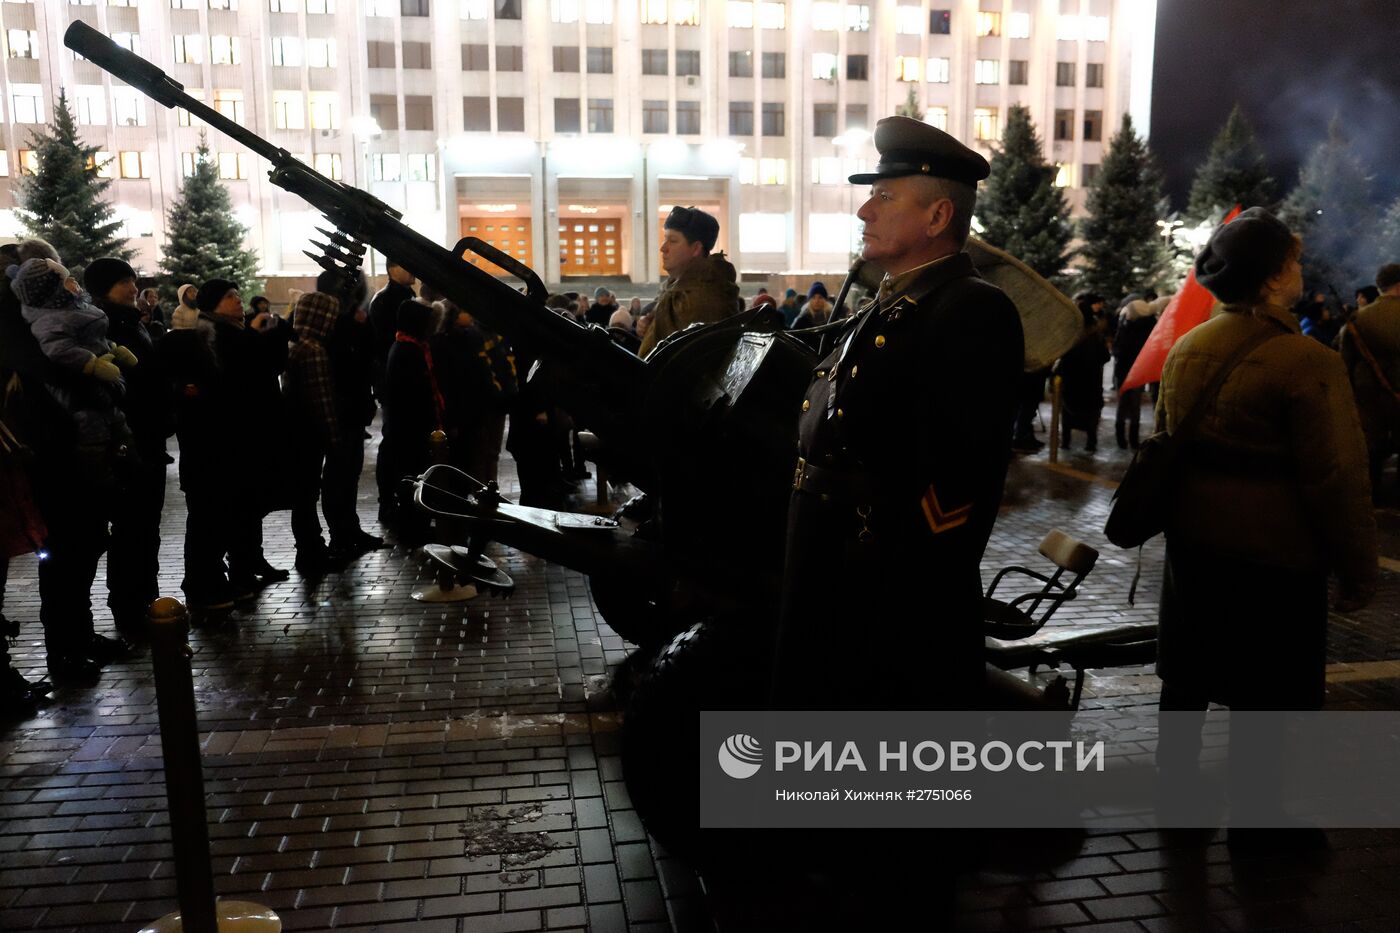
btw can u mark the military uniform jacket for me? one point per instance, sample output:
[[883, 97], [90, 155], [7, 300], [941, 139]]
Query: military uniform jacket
[[904, 440]]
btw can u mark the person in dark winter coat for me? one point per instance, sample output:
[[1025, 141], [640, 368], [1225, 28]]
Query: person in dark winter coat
[[601, 311], [413, 410], [317, 428], [133, 559], [1081, 372], [383, 319], [1135, 323]]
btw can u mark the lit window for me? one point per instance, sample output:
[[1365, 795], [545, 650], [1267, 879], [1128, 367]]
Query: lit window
[[1020, 26], [987, 71], [134, 223], [772, 15], [740, 15], [230, 5], [563, 11], [325, 110], [763, 233], [985, 125], [826, 17], [909, 20], [184, 4], [189, 50], [134, 164], [328, 164], [28, 103], [1096, 28], [386, 166], [225, 50], [91, 106], [938, 70], [475, 9], [598, 12], [284, 6], [4, 169], [188, 161], [685, 12], [320, 53], [937, 116], [288, 113], [831, 233], [654, 11], [858, 17], [1064, 175], [29, 163], [101, 161], [420, 166], [988, 24], [320, 6], [826, 170], [824, 66], [906, 68], [234, 165], [22, 43], [772, 171], [230, 104], [382, 8], [1067, 28], [286, 51], [128, 106], [748, 171]]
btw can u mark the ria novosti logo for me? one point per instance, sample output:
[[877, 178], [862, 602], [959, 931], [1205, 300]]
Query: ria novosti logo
[[740, 756]]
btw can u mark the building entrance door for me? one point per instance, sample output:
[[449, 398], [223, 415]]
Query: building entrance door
[[590, 246], [510, 235]]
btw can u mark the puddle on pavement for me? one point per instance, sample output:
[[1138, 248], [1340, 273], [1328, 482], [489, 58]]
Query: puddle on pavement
[[506, 834]]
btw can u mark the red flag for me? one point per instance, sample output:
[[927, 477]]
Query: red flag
[[1190, 307]]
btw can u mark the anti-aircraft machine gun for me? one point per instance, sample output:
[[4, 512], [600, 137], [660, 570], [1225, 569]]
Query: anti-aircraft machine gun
[[705, 427]]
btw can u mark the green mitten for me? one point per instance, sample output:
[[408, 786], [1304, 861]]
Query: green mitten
[[123, 357], [103, 368]]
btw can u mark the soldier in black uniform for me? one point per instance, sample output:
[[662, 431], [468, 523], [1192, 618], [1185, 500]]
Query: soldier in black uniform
[[902, 453]]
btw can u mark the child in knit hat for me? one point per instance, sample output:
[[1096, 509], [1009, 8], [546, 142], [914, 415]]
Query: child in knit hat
[[72, 333]]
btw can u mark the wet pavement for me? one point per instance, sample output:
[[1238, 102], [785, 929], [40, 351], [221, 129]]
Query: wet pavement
[[374, 762]]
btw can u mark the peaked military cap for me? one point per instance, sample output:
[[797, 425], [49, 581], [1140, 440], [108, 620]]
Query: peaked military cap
[[911, 147]]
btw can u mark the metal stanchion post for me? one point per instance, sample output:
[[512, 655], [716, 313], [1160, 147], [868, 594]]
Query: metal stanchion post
[[184, 789], [1055, 420]]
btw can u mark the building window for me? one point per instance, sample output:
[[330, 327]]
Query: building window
[[748, 171], [857, 117], [225, 50], [1018, 72], [685, 12], [1064, 74], [824, 120], [826, 17], [381, 54], [320, 6], [858, 17], [772, 15], [328, 164], [1064, 175], [189, 50], [775, 64], [475, 58], [1093, 75], [420, 166], [688, 117], [134, 165], [91, 106], [232, 165], [413, 7], [286, 52], [740, 118], [320, 53], [986, 71], [128, 106], [654, 12], [985, 125], [655, 116], [940, 22], [687, 61], [938, 71], [188, 161], [598, 12], [741, 64], [658, 61], [599, 60], [857, 67], [909, 20], [988, 24], [229, 103], [1093, 126], [563, 11], [906, 68], [386, 166], [1096, 28], [938, 117], [1020, 26], [774, 119], [763, 233], [566, 115], [1064, 125], [417, 112], [566, 58], [510, 58], [475, 9], [29, 163], [600, 115], [476, 114], [288, 113], [510, 114], [417, 55], [772, 171], [739, 15], [507, 9], [824, 66], [128, 40], [384, 110], [1090, 173], [325, 110]]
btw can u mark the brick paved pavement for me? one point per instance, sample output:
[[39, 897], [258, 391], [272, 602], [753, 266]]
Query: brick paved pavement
[[373, 762]]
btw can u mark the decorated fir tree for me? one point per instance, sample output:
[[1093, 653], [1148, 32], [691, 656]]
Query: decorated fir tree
[[1331, 210], [205, 240], [1020, 208], [1123, 246], [63, 201], [910, 107], [1234, 172]]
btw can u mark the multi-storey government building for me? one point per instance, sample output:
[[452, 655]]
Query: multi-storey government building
[[563, 130]]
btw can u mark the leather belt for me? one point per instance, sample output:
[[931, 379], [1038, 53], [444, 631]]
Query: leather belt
[[830, 484]]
